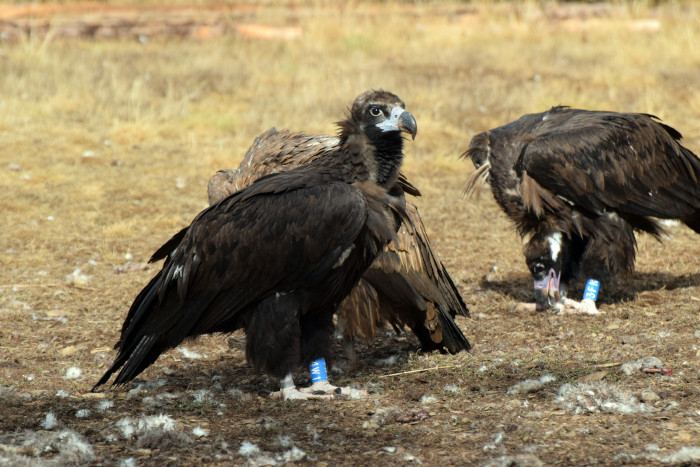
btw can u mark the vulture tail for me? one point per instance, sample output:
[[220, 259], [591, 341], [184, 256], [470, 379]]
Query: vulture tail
[[452, 338], [134, 362], [149, 331]]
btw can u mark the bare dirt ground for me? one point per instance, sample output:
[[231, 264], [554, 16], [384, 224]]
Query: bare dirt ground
[[93, 191]]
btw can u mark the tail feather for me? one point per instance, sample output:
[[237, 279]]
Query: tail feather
[[133, 362], [148, 331], [453, 339]]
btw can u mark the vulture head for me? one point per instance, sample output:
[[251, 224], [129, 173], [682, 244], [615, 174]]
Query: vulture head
[[376, 123], [379, 112], [547, 258]]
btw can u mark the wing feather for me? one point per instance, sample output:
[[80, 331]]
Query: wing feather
[[233, 255], [602, 161]]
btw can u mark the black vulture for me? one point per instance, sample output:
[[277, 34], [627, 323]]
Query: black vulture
[[406, 285], [277, 257], [577, 184]]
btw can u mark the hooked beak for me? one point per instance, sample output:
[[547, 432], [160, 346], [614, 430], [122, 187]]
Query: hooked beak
[[547, 290], [400, 120]]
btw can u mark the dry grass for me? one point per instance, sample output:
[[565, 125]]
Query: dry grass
[[106, 148]]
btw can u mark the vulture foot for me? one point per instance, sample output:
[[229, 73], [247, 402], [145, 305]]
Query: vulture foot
[[564, 307], [573, 307], [326, 388], [293, 393]]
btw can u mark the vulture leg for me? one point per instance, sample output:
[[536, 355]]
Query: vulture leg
[[349, 352]]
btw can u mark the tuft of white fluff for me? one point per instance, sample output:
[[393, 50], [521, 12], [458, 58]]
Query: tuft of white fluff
[[635, 366], [160, 421], [599, 397], [285, 441], [73, 372], [189, 354], [29, 448], [248, 449], [203, 396], [200, 432], [390, 360], [684, 456], [50, 422], [104, 405], [531, 385], [77, 278], [126, 427], [451, 388], [238, 395], [151, 431]]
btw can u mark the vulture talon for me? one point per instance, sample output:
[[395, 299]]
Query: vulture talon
[[294, 393]]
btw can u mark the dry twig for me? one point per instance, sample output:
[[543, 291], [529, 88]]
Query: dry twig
[[422, 370]]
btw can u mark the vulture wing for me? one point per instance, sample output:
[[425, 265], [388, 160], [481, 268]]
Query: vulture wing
[[415, 289], [299, 235], [604, 161]]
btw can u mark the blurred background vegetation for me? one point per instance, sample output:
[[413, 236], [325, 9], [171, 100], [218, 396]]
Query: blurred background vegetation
[[107, 144]]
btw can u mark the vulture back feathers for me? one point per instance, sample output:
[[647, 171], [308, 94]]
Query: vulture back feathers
[[406, 285], [276, 258], [577, 184]]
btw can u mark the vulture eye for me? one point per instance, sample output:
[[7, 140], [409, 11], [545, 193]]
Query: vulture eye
[[375, 111], [538, 268]]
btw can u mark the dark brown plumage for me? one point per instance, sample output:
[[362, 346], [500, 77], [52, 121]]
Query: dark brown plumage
[[578, 183], [405, 286], [277, 257]]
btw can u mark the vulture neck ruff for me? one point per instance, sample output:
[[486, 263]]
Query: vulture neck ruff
[[386, 146]]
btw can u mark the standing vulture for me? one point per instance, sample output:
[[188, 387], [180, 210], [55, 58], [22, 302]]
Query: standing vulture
[[277, 257], [406, 284], [578, 183]]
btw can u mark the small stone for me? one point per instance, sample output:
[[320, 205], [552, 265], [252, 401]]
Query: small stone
[[650, 397], [513, 404], [67, 351]]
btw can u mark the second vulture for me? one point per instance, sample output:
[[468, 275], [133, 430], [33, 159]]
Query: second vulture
[[577, 184]]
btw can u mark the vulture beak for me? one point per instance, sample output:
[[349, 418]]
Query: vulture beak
[[547, 290], [400, 120]]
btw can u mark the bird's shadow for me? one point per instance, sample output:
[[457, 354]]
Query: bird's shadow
[[519, 288]]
